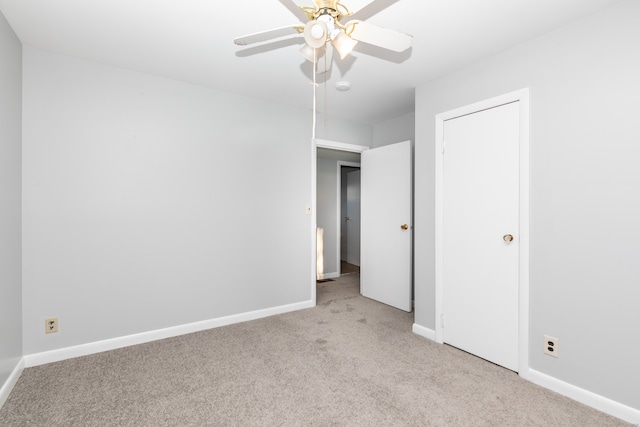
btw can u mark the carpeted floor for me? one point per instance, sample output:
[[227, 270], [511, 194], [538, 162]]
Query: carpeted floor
[[348, 361], [346, 268]]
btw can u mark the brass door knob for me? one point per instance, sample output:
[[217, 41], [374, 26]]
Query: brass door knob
[[404, 226], [507, 238]]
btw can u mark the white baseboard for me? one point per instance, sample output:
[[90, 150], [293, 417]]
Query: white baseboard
[[586, 397], [578, 394], [424, 332], [11, 382], [141, 338]]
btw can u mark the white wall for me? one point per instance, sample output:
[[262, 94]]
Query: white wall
[[150, 203], [10, 200], [585, 193], [396, 129]]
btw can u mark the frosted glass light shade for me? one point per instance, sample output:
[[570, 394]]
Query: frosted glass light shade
[[307, 52], [344, 44], [315, 33]]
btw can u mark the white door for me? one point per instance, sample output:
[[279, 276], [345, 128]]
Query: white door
[[480, 233], [385, 220], [353, 218]]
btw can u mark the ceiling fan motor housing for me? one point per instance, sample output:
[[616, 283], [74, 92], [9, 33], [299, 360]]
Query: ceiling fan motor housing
[[324, 27], [327, 4], [330, 8]]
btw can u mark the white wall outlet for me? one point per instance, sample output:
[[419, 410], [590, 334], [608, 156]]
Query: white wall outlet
[[51, 325], [551, 346]]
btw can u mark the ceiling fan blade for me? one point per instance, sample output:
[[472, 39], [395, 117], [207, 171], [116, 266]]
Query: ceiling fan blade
[[379, 36], [299, 8], [324, 62], [365, 11], [269, 35]]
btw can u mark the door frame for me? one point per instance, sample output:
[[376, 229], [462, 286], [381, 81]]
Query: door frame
[[311, 208], [521, 96], [339, 204]]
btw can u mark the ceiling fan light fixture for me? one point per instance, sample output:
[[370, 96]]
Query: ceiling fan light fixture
[[344, 44], [309, 54], [315, 33]]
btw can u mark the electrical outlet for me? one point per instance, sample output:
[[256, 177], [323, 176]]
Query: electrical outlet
[[551, 346], [51, 325]]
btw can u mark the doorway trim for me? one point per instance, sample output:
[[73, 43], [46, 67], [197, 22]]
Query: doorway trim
[[521, 96], [331, 145], [338, 213]]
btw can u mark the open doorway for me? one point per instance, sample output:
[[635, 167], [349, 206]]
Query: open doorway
[[337, 214], [386, 212], [349, 185]]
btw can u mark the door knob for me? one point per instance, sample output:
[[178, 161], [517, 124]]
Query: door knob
[[404, 226], [346, 218], [507, 238]]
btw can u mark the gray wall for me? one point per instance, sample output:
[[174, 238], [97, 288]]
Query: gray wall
[[397, 129], [585, 193], [150, 203], [10, 200]]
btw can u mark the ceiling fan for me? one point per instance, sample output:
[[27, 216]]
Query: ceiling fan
[[325, 31]]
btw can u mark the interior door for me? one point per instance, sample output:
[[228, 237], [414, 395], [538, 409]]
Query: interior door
[[480, 233], [353, 218], [386, 232]]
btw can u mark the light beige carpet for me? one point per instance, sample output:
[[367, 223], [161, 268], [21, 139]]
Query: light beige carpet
[[348, 361]]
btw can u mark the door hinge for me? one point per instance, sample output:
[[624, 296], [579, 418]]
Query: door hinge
[[442, 145], [442, 320]]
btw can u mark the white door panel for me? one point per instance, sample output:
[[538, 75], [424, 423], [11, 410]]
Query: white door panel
[[480, 206], [385, 207]]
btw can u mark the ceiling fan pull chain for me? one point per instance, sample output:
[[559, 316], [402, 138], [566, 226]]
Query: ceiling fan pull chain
[[315, 86], [325, 91]]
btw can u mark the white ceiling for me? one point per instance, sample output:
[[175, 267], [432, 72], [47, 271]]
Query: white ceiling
[[192, 41]]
